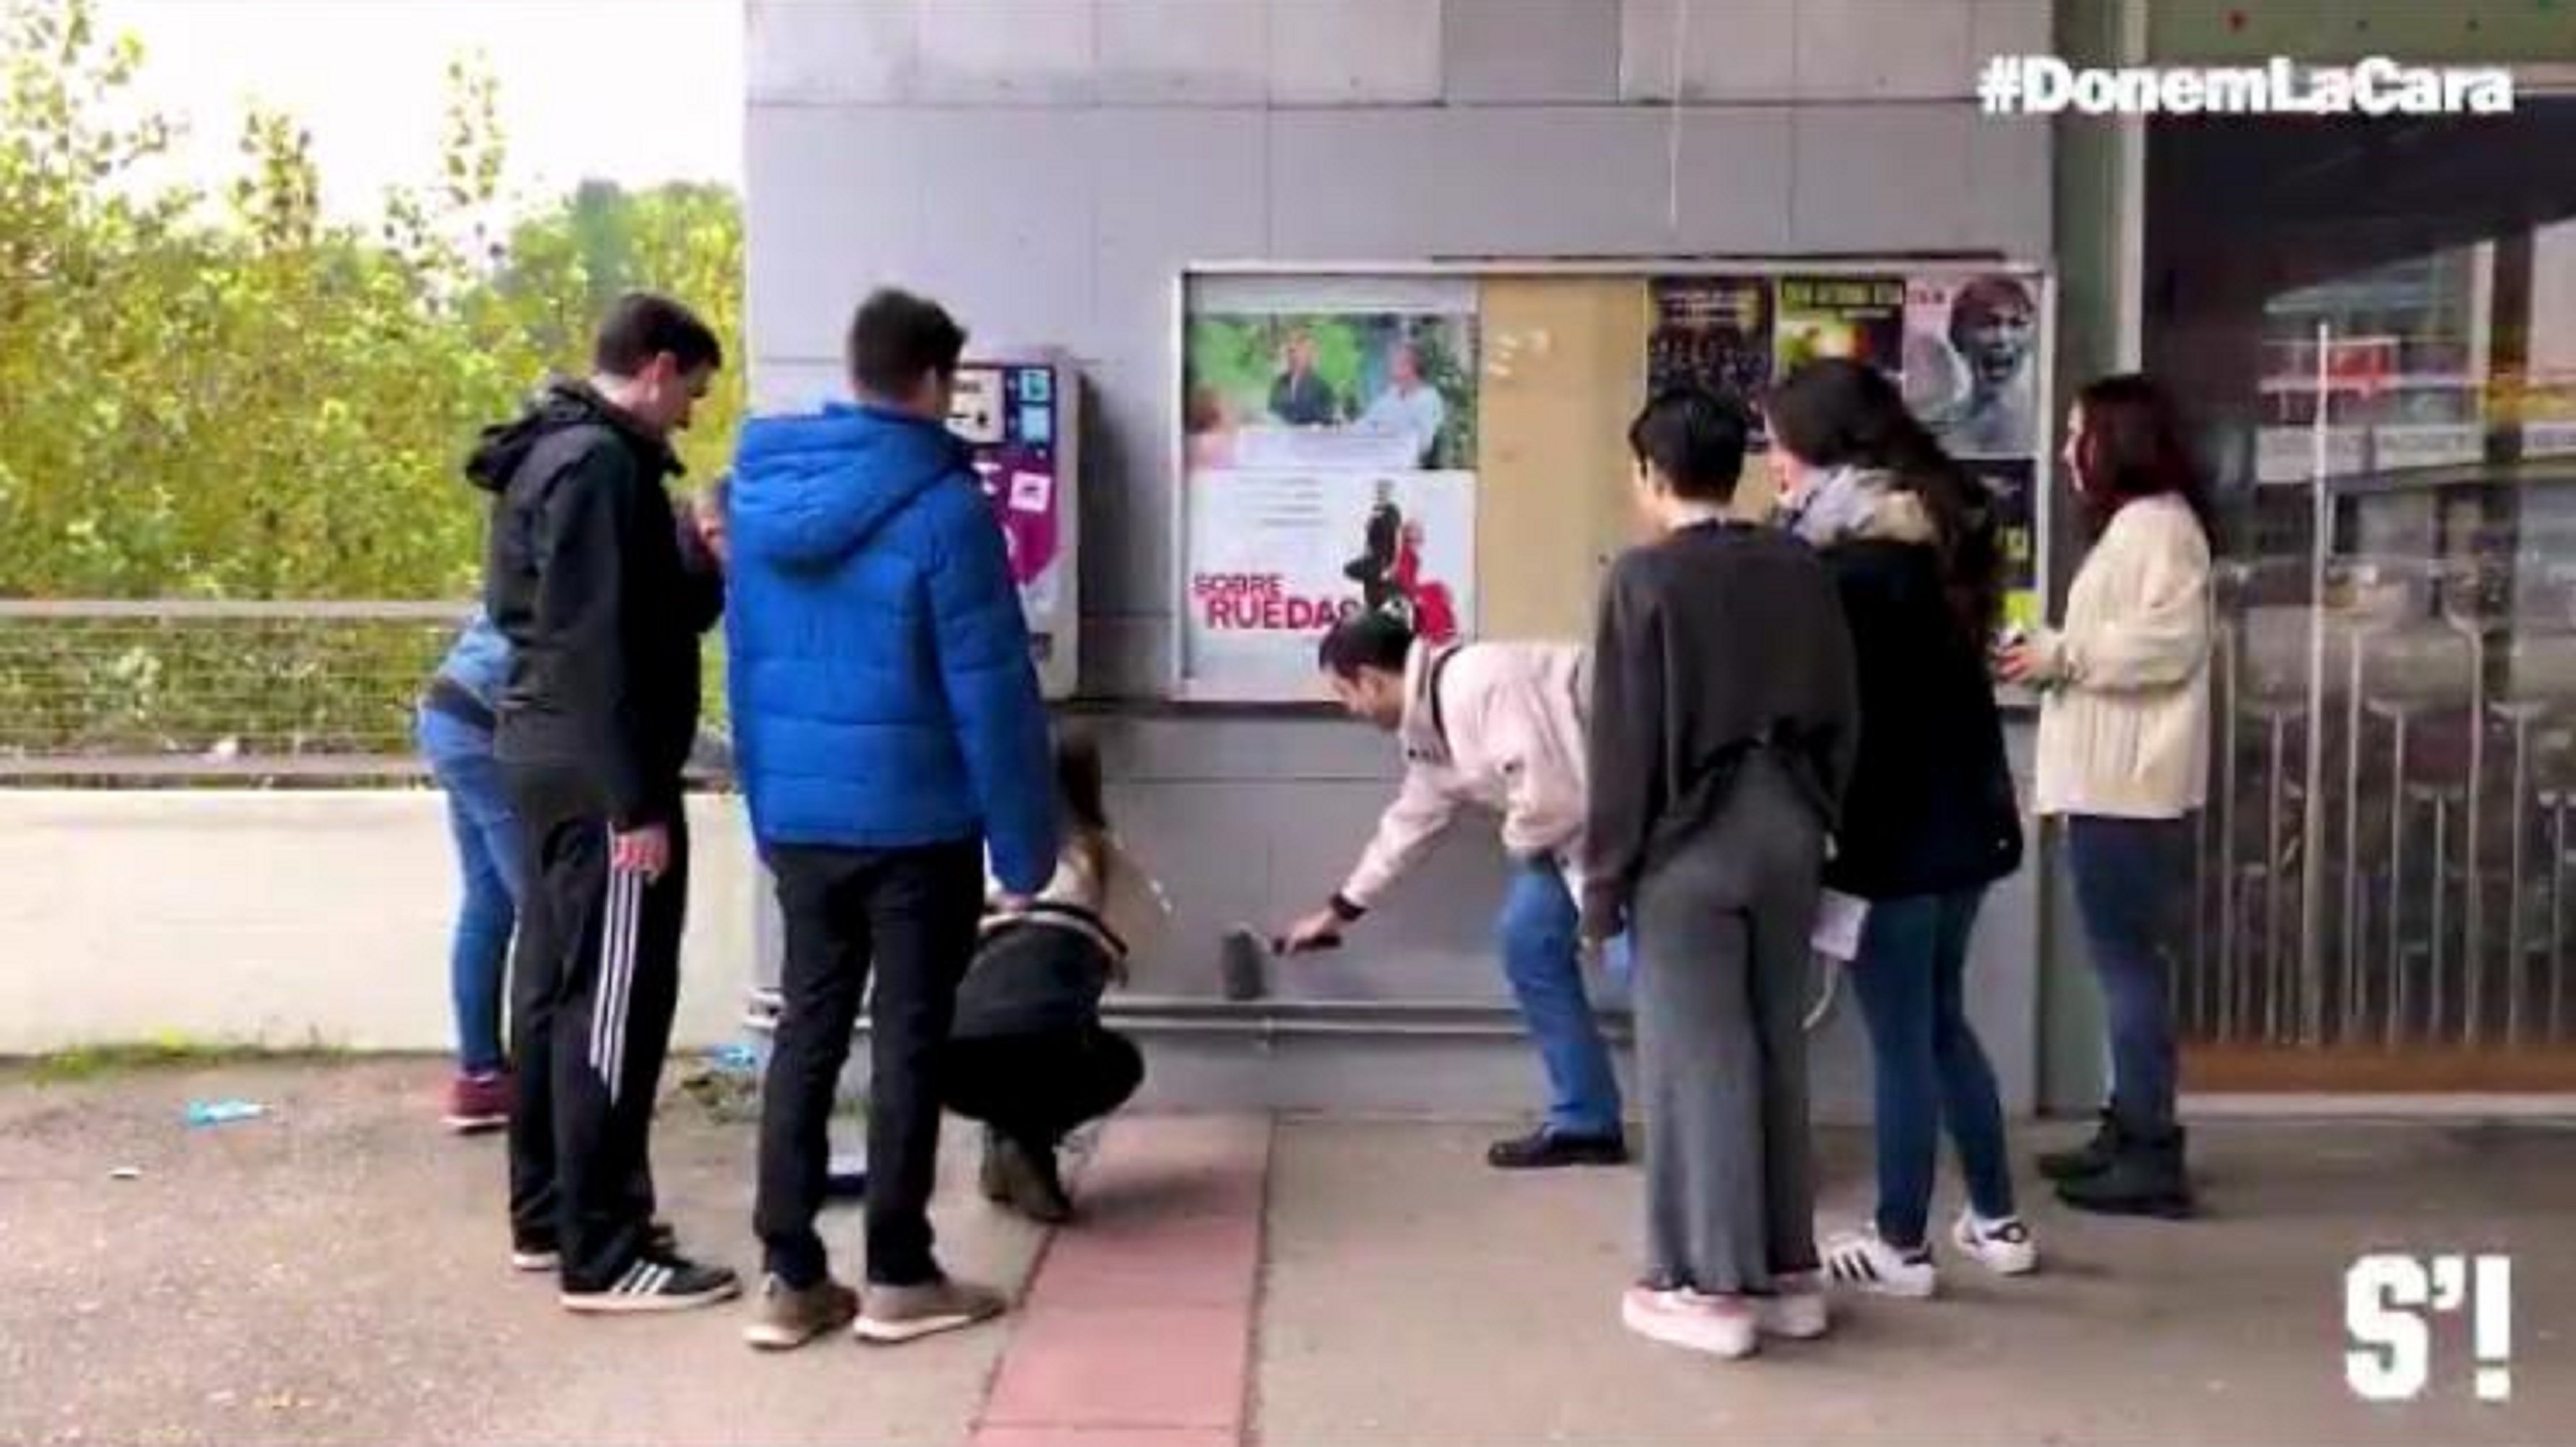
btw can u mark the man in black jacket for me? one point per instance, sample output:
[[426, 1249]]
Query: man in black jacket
[[603, 589]]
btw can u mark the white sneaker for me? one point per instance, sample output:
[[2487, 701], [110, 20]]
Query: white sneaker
[[1863, 1260], [1720, 1326], [1796, 1309], [2003, 1247]]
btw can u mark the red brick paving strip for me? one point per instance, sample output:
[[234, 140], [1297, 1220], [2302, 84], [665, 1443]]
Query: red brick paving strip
[[1138, 1326]]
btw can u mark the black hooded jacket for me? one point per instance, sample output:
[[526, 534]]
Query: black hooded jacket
[[603, 596]]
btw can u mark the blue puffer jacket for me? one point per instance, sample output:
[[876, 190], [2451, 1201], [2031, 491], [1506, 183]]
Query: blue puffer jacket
[[878, 662]]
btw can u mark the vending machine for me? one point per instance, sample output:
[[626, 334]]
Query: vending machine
[[1020, 414]]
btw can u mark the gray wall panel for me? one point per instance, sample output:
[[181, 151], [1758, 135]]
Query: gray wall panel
[[1530, 52], [1354, 52], [831, 51], [1047, 166], [1530, 181], [1007, 53], [1882, 178], [1184, 52]]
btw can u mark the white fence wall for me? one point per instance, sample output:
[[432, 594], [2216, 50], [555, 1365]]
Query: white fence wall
[[281, 919]]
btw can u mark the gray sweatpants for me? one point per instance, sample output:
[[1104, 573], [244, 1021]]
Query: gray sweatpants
[[1721, 996]]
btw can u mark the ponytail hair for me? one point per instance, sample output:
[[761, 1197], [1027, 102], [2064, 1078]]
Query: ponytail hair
[[1079, 796]]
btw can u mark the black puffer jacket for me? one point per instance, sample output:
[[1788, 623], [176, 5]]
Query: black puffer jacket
[[1931, 807]]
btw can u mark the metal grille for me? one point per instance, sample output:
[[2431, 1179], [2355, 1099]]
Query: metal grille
[[124, 691], [2389, 856]]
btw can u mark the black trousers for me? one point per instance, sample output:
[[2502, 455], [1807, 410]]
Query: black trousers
[[909, 917], [1037, 1088], [595, 985]]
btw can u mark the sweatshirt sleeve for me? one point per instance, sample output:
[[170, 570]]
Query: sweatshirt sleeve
[[1405, 832], [1543, 796], [1626, 748], [2158, 638], [580, 603], [992, 689]]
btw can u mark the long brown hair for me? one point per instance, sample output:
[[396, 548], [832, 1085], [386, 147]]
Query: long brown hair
[[1837, 412], [2132, 447]]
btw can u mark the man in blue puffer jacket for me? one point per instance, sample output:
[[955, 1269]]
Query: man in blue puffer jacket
[[888, 731]]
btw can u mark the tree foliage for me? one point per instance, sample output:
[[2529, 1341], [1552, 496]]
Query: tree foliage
[[230, 393], [235, 395]]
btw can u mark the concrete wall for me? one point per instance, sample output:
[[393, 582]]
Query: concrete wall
[[1047, 167], [281, 919]]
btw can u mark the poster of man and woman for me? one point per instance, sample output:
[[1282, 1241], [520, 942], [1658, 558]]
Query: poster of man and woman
[[1329, 456], [1330, 430]]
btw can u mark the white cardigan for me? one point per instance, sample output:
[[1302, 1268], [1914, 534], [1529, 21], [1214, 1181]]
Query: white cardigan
[[2124, 712]]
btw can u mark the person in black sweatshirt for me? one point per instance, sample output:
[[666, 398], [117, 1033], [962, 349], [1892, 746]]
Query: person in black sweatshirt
[[1931, 820], [1724, 725], [602, 588]]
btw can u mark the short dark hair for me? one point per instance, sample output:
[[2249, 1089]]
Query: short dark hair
[[895, 337], [1695, 438], [641, 326], [1381, 641]]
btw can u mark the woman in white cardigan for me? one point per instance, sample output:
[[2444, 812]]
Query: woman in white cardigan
[[2124, 761]]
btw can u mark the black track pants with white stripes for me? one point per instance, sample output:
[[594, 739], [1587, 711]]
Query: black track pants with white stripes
[[596, 980]]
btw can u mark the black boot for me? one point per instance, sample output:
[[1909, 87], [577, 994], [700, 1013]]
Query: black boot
[[2146, 1177], [1022, 1175], [2089, 1159]]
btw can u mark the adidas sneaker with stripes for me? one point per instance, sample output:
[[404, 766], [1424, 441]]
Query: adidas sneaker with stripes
[[658, 1284]]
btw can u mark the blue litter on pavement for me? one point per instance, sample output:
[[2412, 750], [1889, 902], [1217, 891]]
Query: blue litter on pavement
[[223, 1112], [734, 1059]]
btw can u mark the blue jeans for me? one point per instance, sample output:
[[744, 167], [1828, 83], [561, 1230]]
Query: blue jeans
[[1909, 977], [490, 855], [1540, 933], [2131, 876]]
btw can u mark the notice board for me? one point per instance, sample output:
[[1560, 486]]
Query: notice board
[[1449, 442]]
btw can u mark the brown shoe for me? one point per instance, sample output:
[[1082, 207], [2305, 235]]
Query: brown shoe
[[785, 1318], [892, 1314]]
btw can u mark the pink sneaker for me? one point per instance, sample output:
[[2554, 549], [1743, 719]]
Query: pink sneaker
[[478, 1103], [1721, 1326]]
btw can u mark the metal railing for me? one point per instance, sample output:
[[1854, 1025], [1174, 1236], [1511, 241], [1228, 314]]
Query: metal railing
[[163, 690]]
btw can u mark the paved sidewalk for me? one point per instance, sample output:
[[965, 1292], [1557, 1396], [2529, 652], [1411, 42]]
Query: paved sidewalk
[[337, 1273], [333, 1274]]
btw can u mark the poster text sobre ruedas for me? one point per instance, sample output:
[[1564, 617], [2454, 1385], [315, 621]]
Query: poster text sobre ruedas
[[2044, 85]]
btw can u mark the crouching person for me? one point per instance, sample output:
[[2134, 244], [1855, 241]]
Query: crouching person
[[1028, 1055]]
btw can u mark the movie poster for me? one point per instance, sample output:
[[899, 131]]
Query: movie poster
[[1861, 317], [1971, 362], [1713, 331], [1277, 557], [2016, 514], [1330, 444]]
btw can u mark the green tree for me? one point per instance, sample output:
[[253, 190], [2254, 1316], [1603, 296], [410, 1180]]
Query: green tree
[[233, 394]]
